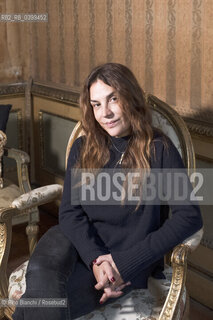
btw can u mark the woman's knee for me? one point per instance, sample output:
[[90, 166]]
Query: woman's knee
[[53, 252]]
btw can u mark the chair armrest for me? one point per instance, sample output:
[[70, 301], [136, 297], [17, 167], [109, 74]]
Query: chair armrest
[[18, 155], [38, 197], [22, 159], [193, 242], [179, 266]]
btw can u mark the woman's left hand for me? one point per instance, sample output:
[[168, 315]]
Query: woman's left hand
[[115, 287], [112, 273]]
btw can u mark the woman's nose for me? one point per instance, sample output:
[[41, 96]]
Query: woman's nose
[[107, 112]]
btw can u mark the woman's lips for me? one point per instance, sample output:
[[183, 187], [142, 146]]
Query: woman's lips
[[111, 124]]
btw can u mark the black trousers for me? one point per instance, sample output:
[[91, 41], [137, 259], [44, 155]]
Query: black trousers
[[56, 271]]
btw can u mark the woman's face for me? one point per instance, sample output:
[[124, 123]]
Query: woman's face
[[107, 111]]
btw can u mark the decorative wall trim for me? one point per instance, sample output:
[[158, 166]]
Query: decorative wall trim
[[36, 64], [109, 28], [76, 44], [195, 95], [171, 54], [48, 40], [41, 136], [128, 32], [92, 34], [20, 128], [55, 93], [62, 42], [13, 89], [200, 129], [198, 121], [28, 120], [149, 75]]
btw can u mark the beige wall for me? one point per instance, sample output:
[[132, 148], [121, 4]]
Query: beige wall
[[167, 43], [15, 44]]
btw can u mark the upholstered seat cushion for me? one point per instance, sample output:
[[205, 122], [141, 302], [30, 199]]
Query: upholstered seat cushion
[[140, 304]]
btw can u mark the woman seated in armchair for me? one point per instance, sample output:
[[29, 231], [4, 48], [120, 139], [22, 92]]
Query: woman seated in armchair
[[99, 252]]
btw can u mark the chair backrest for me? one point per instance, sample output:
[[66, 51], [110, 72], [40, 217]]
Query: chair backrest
[[170, 122], [164, 118]]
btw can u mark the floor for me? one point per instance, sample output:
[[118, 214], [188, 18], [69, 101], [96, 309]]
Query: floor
[[19, 253]]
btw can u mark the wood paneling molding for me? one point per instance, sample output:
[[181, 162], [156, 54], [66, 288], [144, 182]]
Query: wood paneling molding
[[55, 93], [16, 89]]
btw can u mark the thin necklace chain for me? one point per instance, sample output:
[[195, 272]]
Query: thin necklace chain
[[122, 152]]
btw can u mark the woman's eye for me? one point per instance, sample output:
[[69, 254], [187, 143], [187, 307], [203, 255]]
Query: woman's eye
[[113, 99], [95, 105]]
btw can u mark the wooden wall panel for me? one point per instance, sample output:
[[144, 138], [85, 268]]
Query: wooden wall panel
[[167, 43], [14, 63], [40, 43], [207, 61], [85, 36], [100, 31], [70, 114], [160, 41], [138, 45], [183, 49], [118, 31], [69, 43]]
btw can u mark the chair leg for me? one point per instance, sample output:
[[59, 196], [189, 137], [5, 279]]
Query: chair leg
[[32, 233], [9, 312], [187, 308], [1, 313]]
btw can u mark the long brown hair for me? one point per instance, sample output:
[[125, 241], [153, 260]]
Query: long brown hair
[[131, 97]]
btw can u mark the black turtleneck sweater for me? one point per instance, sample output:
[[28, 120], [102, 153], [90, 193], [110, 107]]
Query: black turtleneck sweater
[[136, 240]]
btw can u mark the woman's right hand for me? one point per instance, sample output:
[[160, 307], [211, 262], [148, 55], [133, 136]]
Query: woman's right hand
[[112, 288]]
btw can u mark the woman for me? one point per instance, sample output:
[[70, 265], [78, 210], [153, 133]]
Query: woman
[[99, 252]]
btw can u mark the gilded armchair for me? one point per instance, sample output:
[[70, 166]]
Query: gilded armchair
[[10, 191], [166, 299]]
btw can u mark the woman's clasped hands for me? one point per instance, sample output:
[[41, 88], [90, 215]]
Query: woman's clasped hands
[[108, 278]]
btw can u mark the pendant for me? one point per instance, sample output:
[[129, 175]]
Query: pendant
[[121, 158]]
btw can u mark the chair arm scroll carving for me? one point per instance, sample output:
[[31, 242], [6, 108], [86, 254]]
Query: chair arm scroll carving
[[179, 264], [179, 255]]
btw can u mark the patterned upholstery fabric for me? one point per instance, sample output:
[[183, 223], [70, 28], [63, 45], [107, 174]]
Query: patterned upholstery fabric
[[38, 196], [140, 304], [17, 284]]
